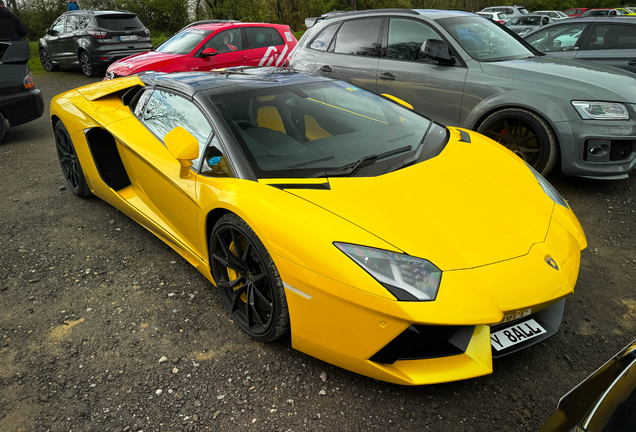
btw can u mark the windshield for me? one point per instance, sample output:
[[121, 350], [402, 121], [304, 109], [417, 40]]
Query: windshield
[[485, 40], [523, 11], [525, 21], [183, 42], [303, 130], [596, 13]]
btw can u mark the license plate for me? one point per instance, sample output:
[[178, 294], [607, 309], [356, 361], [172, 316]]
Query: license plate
[[516, 334], [128, 38]]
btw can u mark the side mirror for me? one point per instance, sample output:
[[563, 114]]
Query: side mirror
[[437, 50], [50, 32], [184, 147], [208, 52]]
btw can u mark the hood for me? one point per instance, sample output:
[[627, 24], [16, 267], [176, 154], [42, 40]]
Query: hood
[[473, 205], [595, 80], [150, 60]]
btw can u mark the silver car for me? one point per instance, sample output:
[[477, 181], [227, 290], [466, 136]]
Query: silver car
[[526, 24], [555, 15], [460, 69]]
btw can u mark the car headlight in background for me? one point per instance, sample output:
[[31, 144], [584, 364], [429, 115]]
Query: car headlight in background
[[601, 110], [548, 188], [407, 278]]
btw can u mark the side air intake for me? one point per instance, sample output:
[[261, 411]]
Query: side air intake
[[107, 160]]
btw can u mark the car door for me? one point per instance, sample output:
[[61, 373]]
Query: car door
[[354, 53], [54, 42], [68, 39], [563, 40], [264, 46], [434, 90], [612, 44], [230, 47], [160, 192]]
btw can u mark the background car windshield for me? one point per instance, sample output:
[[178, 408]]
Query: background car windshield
[[301, 130], [484, 40], [526, 21], [184, 42]]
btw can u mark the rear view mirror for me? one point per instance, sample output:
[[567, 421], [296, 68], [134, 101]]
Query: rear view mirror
[[184, 147], [437, 50], [209, 52]]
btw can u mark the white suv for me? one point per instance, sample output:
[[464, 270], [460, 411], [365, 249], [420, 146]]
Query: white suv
[[511, 11]]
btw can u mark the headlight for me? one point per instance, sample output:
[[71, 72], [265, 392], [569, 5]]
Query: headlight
[[407, 278], [548, 188], [601, 110]]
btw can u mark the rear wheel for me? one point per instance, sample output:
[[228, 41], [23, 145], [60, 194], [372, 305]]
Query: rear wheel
[[526, 134], [71, 167], [47, 64], [86, 63], [247, 279]]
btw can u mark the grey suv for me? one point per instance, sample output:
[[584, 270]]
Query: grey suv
[[92, 40], [511, 11], [460, 69]]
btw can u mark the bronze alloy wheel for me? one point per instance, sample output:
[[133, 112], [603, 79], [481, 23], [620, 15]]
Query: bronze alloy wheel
[[247, 279], [524, 133]]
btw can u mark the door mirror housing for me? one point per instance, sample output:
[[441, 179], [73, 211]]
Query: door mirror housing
[[51, 32], [184, 147], [208, 52], [437, 50]]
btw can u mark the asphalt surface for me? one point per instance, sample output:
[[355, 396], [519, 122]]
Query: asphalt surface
[[105, 328]]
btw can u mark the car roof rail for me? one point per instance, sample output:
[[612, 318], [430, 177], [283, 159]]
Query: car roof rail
[[310, 22]]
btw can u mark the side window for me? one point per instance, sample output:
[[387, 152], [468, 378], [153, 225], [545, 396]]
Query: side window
[[58, 26], [258, 37], [277, 38], [215, 163], [165, 111], [138, 105], [406, 38], [608, 36], [561, 38], [322, 40], [72, 24], [226, 41], [358, 37], [84, 22]]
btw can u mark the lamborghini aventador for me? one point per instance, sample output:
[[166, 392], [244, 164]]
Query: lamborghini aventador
[[386, 244]]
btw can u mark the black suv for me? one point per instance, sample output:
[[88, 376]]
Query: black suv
[[92, 40]]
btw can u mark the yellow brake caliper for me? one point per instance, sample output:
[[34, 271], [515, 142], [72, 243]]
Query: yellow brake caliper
[[233, 274]]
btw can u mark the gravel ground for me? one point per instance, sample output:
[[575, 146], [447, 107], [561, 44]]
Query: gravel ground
[[105, 328]]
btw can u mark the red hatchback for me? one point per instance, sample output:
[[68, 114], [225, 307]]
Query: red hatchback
[[204, 46], [575, 13]]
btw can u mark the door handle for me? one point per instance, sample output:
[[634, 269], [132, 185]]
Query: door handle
[[326, 69], [387, 76], [632, 62], [242, 58]]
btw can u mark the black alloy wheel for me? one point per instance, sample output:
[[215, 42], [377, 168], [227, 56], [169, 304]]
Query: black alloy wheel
[[248, 280], [524, 133], [87, 64], [47, 64], [69, 162]]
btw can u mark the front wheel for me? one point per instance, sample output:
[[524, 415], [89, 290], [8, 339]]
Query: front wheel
[[47, 64], [69, 162], [86, 63], [526, 134], [247, 279]]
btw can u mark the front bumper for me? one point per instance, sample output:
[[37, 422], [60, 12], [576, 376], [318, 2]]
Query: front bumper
[[22, 107], [347, 327], [597, 149]]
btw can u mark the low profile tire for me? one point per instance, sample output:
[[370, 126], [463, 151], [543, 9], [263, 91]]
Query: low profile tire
[[3, 126], [247, 279], [70, 163], [47, 64], [526, 134], [86, 63]]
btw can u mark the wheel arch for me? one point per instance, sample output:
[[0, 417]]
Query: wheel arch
[[54, 120]]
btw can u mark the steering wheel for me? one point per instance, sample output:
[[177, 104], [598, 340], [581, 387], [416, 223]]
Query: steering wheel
[[245, 124]]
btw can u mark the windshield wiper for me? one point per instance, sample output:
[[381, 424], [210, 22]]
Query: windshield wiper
[[352, 168]]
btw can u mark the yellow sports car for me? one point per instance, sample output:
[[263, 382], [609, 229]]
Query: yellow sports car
[[385, 243]]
